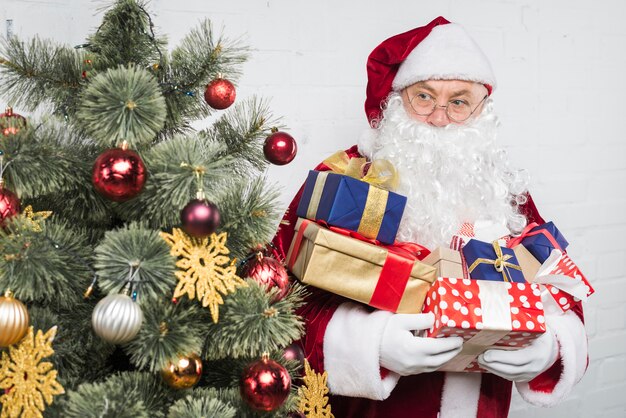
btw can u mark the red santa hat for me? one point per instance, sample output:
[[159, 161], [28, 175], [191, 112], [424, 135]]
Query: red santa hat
[[438, 51]]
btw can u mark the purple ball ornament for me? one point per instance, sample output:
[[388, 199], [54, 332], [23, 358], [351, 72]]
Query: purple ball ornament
[[294, 352], [200, 217]]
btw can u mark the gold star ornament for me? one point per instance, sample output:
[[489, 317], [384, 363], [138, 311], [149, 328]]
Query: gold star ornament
[[28, 382], [313, 394], [35, 219], [205, 270]]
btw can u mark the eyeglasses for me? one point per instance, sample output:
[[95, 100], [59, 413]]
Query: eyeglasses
[[458, 110]]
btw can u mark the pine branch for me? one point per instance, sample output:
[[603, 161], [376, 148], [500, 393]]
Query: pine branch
[[45, 267], [201, 406], [49, 166], [126, 36], [44, 160], [124, 395], [79, 355], [242, 131], [249, 214], [168, 330], [250, 323], [81, 207], [122, 104], [135, 254], [173, 182], [202, 55], [182, 106], [38, 71]]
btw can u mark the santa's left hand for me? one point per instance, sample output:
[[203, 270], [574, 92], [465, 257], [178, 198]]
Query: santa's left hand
[[524, 364]]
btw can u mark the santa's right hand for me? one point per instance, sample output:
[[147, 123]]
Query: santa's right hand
[[404, 353]]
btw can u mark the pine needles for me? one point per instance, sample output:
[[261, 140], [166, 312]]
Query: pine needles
[[122, 104], [136, 255]]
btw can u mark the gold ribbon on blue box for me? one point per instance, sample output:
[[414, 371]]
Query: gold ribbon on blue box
[[355, 196], [491, 262], [379, 173]]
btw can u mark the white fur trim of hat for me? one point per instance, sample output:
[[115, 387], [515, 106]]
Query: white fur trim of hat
[[447, 53]]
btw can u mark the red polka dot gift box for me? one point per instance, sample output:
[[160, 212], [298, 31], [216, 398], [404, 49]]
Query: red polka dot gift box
[[487, 314]]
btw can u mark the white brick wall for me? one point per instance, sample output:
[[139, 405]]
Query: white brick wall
[[561, 68]]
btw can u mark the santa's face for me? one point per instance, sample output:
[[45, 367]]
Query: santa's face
[[450, 175], [443, 102]]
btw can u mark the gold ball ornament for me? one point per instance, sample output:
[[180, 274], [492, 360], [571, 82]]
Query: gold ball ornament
[[117, 318], [14, 320], [183, 373]]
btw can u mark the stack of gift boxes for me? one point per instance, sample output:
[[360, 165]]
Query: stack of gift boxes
[[493, 294]]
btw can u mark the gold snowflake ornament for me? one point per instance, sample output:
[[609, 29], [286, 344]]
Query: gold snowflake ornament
[[27, 381], [313, 400], [206, 272]]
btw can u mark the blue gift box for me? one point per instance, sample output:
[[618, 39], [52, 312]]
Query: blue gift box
[[483, 262], [540, 240], [352, 204]]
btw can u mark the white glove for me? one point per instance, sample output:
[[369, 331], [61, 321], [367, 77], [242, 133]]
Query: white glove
[[404, 353], [524, 364]]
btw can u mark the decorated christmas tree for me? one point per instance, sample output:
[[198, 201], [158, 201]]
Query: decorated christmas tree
[[134, 260]]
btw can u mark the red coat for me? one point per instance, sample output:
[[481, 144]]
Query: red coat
[[421, 395]]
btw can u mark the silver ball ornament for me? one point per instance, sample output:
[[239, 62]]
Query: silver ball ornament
[[117, 319]]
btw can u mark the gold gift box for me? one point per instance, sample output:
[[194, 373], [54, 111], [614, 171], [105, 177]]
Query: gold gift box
[[447, 262], [351, 268]]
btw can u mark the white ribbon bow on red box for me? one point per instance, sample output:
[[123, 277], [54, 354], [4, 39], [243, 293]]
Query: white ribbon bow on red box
[[559, 274]]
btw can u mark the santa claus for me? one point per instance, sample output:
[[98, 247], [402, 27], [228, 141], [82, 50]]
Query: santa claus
[[428, 102]]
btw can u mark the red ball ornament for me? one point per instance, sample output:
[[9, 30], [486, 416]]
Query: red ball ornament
[[200, 218], [9, 203], [220, 93], [119, 174], [268, 272], [11, 123], [265, 384], [280, 148]]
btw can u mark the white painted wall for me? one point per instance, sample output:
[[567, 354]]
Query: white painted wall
[[561, 68]]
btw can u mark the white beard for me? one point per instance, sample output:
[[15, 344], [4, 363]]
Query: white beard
[[449, 175]]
